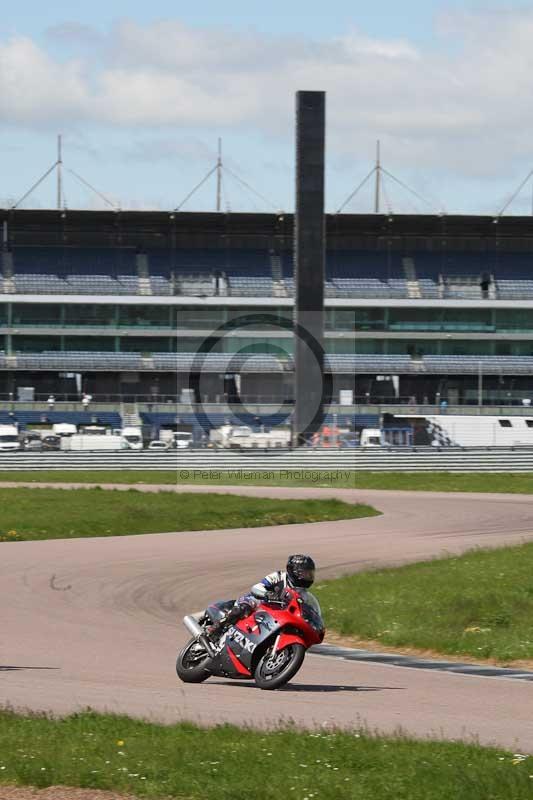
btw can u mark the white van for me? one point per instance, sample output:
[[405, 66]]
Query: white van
[[176, 439], [64, 429], [371, 437], [182, 439], [133, 437], [9, 438]]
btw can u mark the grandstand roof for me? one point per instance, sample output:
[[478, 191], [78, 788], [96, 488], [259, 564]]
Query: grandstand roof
[[156, 228]]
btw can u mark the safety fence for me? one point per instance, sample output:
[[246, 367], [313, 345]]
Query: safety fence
[[211, 462]]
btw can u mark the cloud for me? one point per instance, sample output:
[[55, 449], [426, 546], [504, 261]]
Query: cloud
[[155, 149], [74, 34], [35, 89], [464, 105]]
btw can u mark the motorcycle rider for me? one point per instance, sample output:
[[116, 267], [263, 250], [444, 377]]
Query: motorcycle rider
[[298, 574]]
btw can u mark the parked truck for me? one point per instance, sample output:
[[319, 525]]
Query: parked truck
[[178, 440], [133, 437], [82, 441], [371, 437], [242, 437]]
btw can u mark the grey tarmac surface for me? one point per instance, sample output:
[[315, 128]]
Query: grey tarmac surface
[[96, 622]]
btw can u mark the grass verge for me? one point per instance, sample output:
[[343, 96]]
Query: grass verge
[[73, 513], [227, 763], [509, 482], [478, 605]]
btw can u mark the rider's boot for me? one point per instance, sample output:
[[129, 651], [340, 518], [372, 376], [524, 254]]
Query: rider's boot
[[217, 629]]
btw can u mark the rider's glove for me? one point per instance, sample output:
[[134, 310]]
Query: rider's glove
[[286, 596], [272, 596]]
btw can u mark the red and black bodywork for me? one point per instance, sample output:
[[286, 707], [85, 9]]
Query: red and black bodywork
[[268, 645], [276, 624]]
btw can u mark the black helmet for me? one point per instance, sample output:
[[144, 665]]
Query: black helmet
[[300, 571]]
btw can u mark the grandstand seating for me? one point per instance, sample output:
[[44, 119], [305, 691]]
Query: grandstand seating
[[195, 285], [247, 263], [514, 289], [93, 284], [215, 362], [31, 283], [363, 264], [73, 260], [160, 285], [432, 265], [354, 287], [489, 364], [101, 299], [245, 286], [266, 363], [236, 262], [73, 360], [248, 273], [516, 266], [428, 288], [40, 284], [462, 292]]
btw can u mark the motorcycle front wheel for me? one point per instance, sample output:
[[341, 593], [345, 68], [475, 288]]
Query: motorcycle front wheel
[[276, 669], [191, 663]]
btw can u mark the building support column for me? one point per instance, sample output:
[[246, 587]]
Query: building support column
[[309, 267]]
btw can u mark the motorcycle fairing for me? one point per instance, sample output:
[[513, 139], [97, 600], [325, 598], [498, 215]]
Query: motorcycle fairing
[[241, 669], [286, 639], [239, 647], [238, 644]]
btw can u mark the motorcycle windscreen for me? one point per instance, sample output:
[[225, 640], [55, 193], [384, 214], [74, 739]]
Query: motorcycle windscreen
[[311, 611]]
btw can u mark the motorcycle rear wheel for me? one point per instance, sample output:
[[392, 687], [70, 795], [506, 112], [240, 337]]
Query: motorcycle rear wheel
[[190, 666], [276, 669]]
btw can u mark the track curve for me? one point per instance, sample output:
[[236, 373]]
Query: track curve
[[95, 622]]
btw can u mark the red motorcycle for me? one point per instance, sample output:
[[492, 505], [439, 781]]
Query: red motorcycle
[[268, 646]]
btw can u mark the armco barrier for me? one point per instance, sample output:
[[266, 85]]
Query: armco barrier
[[400, 460]]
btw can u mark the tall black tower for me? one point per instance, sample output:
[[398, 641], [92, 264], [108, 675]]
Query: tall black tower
[[309, 258]]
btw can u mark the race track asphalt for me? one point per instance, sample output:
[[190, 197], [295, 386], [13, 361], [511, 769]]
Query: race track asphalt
[[96, 622]]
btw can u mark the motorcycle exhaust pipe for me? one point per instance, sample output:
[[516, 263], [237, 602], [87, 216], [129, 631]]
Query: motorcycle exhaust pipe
[[198, 632], [192, 626]]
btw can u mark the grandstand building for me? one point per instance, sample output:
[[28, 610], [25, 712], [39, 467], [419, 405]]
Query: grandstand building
[[158, 306]]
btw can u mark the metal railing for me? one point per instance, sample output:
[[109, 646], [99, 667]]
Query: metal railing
[[266, 404], [302, 463], [8, 286]]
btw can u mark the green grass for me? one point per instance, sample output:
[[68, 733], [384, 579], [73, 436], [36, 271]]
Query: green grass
[[516, 483], [226, 763], [72, 513], [479, 604]]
